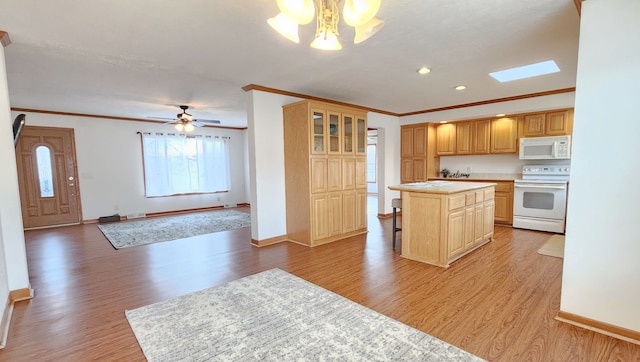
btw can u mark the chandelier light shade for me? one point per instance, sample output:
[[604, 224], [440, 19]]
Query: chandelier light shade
[[300, 11], [366, 31], [360, 14], [285, 26]]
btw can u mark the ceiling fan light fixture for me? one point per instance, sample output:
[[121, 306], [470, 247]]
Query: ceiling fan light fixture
[[300, 11], [359, 12], [286, 26], [326, 40], [366, 31], [189, 127], [179, 127]]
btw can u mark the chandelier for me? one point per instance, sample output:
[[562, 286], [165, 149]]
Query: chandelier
[[360, 14]]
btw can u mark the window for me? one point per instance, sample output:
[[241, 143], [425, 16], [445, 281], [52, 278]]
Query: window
[[371, 163], [45, 176], [177, 164]]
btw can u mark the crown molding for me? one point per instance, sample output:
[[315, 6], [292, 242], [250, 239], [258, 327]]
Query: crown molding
[[57, 113], [491, 101], [479, 103], [251, 87]]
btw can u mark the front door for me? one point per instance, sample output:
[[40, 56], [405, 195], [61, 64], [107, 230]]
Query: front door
[[46, 162]]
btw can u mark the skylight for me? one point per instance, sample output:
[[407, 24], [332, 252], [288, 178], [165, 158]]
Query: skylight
[[526, 71]]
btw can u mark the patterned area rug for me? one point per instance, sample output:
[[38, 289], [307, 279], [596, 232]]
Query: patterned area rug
[[126, 234], [275, 316]]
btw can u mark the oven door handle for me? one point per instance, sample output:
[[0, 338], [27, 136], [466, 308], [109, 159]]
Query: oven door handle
[[532, 186]]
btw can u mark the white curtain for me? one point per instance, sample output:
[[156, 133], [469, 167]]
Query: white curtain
[[175, 164]]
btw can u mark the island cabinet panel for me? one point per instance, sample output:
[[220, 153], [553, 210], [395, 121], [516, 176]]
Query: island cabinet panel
[[457, 230], [425, 223], [325, 172], [443, 222]]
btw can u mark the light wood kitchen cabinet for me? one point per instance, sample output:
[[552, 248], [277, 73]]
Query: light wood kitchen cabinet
[[325, 172], [481, 136], [464, 138], [446, 143], [473, 138], [503, 201], [554, 123], [443, 223], [406, 142], [418, 154], [504, 135]]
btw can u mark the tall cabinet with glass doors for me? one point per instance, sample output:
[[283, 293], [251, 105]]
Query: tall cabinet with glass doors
[[325, 154]]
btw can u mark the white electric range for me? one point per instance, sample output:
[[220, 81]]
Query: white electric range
[[540, 198]]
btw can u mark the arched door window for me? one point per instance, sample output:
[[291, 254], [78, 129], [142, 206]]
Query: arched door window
[[45, 174]]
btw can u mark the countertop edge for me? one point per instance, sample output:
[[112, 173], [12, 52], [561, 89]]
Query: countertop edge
[[445, 189]]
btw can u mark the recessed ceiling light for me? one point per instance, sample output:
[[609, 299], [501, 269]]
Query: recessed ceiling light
[[424, 70], [526, 71], [443, 121], [460, 87], [500, 115]]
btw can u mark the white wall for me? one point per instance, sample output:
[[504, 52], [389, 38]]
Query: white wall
[[14, 274], [266, 164], [601, 265], [110, 176], [388, 157]]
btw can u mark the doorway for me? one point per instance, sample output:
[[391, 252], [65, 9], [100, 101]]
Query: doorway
[[47, 177], [372, 171]]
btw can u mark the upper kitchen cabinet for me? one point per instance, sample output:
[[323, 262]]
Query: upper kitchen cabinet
[[504, 135], [447, 138], [417, 152], [473, 138], [553, 123]]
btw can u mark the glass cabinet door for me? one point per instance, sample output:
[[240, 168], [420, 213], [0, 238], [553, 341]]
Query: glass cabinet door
[[318, 133], [347, 137], [361, 135], [334, 132]]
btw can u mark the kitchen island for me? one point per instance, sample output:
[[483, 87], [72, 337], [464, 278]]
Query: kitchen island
[[445, 220]]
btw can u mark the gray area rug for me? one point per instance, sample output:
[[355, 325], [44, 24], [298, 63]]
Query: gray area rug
[[125, 234], [275, 316]]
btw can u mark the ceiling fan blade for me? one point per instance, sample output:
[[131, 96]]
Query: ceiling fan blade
[[197, 123], [162, 118], [210, 121]]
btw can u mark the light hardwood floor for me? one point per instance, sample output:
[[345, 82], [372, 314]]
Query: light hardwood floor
[[498, 302]]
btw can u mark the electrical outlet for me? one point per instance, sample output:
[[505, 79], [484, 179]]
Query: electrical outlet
[[468, 169]]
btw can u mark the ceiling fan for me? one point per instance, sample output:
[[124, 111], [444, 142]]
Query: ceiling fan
[[185, 122]]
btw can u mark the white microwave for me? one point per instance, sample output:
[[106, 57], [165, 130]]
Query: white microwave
[[545, 148]]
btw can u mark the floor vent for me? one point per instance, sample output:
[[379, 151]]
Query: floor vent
[[136, 215]]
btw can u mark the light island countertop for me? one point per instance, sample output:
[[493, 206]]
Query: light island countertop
[[441, 187]]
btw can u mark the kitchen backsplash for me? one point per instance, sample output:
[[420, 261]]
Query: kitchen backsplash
[[491, 164]]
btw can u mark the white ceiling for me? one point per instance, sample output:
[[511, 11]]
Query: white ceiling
[[142, 58]]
